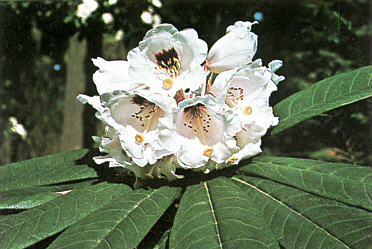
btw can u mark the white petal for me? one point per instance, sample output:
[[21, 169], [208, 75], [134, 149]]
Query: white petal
[[191, 153], [251, 149], [275, 65], [261, 112], [125, 112], [164, 29], [247, 79], [234, 49], [94, 101], [115, 153], [112, 75], [189, 45]]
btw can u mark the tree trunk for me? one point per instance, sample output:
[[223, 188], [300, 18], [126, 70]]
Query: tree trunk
[[72, 133]]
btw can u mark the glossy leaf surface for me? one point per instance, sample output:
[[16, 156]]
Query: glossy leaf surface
[[303, 220], [349, 184], [274, 202], [323, 96], [56, 168], [26, 198], [218, 214], [24, 229], [121, 224]]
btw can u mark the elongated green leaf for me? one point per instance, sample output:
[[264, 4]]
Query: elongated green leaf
[[162, 243], [121, 224], [359, 173], [26, 198], [28, 227], [345, 184], [323, 96], [46, 170], [302, 220], [218, 214]]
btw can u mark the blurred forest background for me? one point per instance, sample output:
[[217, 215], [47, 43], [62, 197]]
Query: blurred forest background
[[46, 46]]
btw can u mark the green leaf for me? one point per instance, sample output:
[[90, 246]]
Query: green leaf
[[56, 168], [351, 171], [121, 224], [299, 219], [323, 96], [162, 243], [26, 198], [218, 214], [350, 184], [28, 227]]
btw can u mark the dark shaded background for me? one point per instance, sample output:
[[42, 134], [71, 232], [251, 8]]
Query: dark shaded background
[[45, 49]]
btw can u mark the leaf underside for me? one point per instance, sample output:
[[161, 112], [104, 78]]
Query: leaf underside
[[323, 96]]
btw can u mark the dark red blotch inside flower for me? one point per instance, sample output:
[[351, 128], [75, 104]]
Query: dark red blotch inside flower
[[138, 100], [167, 58]]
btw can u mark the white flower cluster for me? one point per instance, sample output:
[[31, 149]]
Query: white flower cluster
[[174, 105]]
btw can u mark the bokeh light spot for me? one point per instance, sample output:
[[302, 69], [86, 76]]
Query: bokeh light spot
[[258, 16], [57, 67]]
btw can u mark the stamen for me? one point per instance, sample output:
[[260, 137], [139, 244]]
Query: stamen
[[140, 138], [169, 61], [148, 125], [167, 83], [201, 130], [247, 110]]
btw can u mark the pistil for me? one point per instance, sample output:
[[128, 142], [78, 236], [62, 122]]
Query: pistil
[[140, 138], [149, 175], [208, 151], [247, 110]]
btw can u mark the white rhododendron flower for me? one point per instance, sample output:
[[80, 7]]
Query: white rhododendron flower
[[200, 133], [168, 60], [174, 105]]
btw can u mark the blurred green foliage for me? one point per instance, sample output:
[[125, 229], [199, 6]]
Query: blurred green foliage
[[315, 40]]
